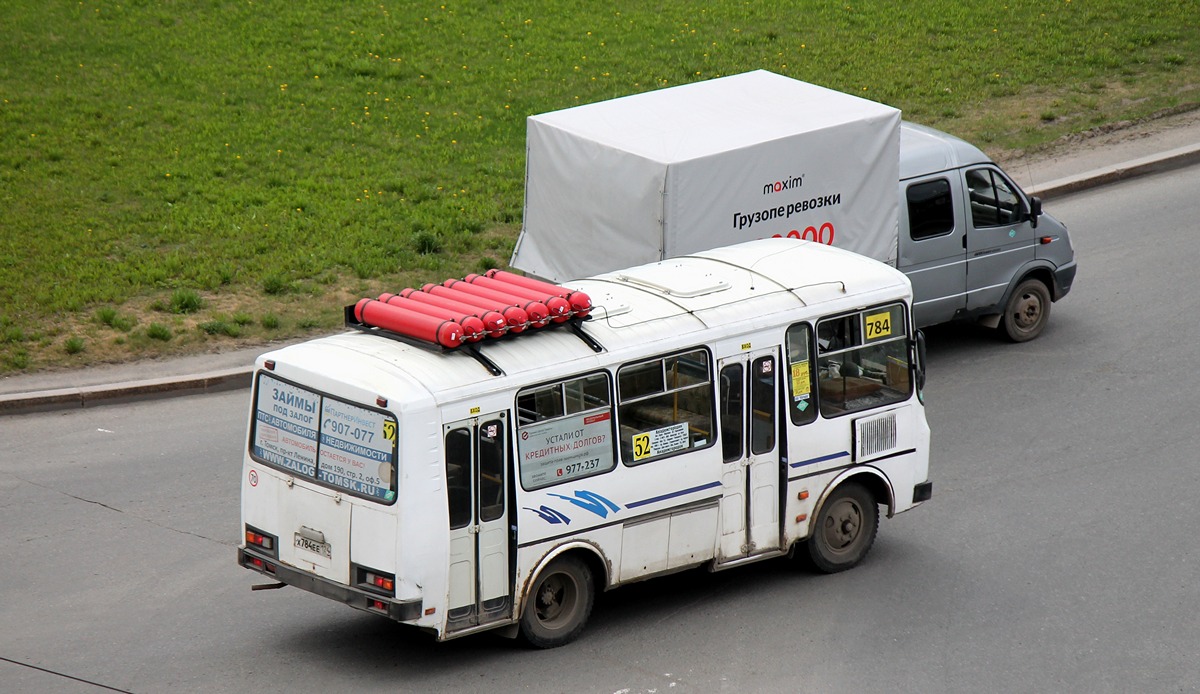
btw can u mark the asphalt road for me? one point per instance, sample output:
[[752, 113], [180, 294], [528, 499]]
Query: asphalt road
[[1059, 552]]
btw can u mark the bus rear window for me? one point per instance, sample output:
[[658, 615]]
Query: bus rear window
[[324, 439]]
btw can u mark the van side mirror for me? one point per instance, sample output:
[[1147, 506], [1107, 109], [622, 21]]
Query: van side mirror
[[1035, 210]]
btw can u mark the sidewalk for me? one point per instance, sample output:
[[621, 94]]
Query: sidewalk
[[1159, 145], [112, 383], [1086, 162]]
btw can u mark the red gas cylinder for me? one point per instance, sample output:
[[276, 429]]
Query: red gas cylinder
[[472, 326], [581, 303], [446, 333], [493, 323], [539, 315], [516, 317], [558, 307]]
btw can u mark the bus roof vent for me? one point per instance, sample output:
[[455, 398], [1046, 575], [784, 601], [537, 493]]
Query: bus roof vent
[[677, 284]]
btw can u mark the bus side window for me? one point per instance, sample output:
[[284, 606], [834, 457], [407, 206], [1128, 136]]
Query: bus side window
[[565, 431], [802, 405], [762, 396], [863, 361], [491, 470], [665, 406], [458, 477], [731, 413]]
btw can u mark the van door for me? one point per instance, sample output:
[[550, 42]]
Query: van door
[[933, 248], [480, 584], [750, 476], [999, 238]]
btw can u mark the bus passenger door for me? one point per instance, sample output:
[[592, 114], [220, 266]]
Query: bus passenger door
[[477, 497], [750, 475]]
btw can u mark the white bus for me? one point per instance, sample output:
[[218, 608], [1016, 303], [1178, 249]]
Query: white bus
[[712, 410]]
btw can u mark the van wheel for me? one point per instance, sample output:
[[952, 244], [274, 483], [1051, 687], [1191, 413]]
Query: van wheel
[[844, 530], [1027, 311], [559, 604]]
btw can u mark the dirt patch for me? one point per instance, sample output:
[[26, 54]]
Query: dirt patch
[[1173, 127]]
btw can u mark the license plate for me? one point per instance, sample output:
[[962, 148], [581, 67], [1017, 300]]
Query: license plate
[[309, 545]]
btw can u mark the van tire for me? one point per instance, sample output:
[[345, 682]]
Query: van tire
[[844, 530], [1027, 312], [559, 604]]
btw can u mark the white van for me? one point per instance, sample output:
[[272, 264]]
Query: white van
[[675, 171]]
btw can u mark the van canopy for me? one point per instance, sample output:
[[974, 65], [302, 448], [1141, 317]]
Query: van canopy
[[679, 170]]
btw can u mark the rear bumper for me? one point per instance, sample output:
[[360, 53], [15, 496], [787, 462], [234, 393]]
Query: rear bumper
[[399, 610], [922, 492]]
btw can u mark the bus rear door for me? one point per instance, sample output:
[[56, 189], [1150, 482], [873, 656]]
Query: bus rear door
[[477, 491]]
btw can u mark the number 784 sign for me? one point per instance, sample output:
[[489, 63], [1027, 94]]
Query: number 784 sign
[[878, 325]]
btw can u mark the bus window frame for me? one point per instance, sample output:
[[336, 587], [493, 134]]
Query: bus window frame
[[809, 413], [824, 354], [707, 382], [522, 425], [394, 483]]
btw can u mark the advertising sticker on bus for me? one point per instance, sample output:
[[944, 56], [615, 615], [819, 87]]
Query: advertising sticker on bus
[[661, 441], [564, 449], [801, 379], [285, 432], [325, 438], [356, 451]]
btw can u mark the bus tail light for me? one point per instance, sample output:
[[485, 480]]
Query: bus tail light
[[260, 540], [382, 582], [376, 581], [260, 564]]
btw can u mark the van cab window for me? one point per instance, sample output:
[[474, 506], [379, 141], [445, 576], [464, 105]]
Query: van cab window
[[930, 209], [993, 202]]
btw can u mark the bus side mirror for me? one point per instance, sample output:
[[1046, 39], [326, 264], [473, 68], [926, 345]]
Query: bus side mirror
[[919, 364], [1035, 210]]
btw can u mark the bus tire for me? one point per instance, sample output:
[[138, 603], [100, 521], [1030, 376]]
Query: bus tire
[[559, 604], [1027, 311], [844, 530]]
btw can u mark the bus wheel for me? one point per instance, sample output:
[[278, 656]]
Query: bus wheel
[[1027, 311], [845, 529], [559, 605]]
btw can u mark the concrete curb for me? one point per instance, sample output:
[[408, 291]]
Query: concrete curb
[[90, 396], [241, 377], [1166, 161]]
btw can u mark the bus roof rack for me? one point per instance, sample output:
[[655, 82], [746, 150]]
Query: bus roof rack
[[462, 314]]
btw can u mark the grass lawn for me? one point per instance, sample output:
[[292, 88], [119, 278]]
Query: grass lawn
[[183, 176]]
